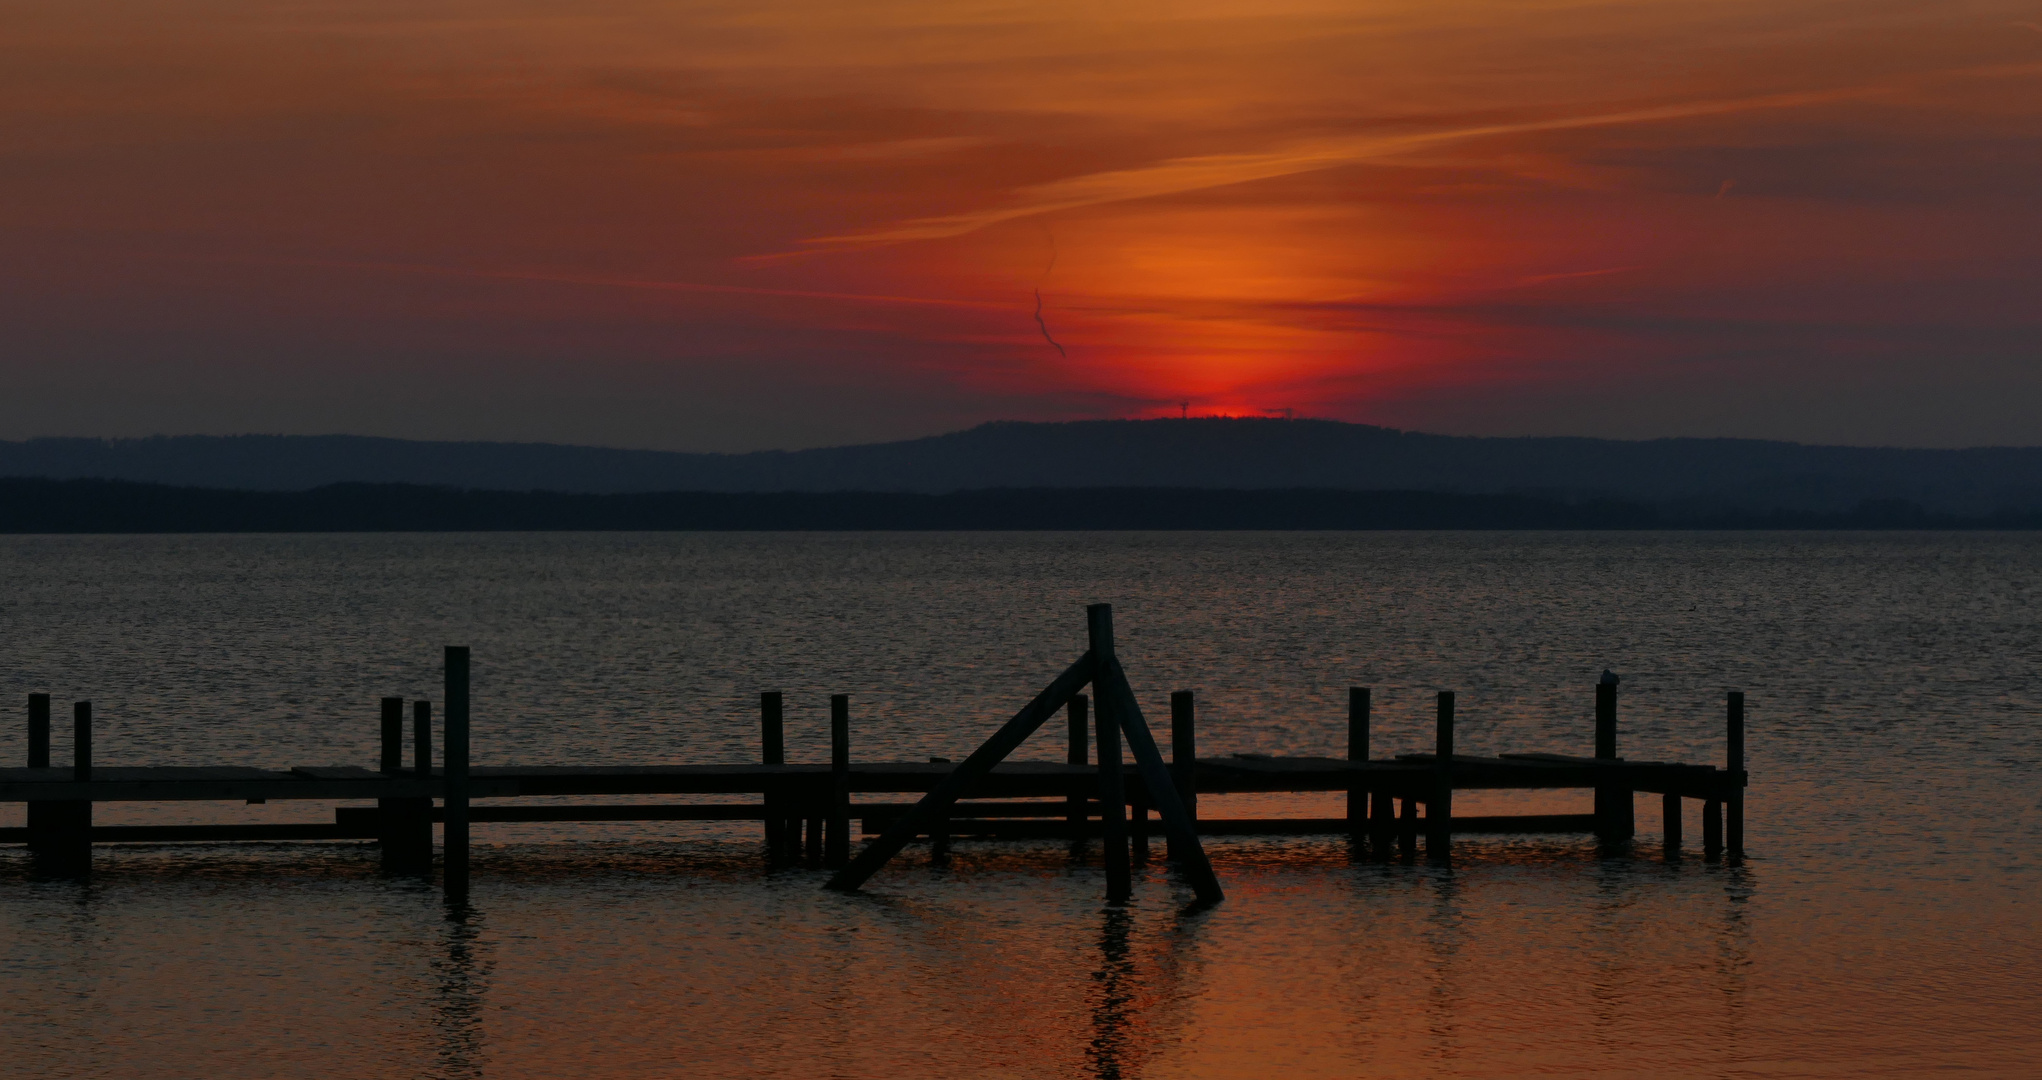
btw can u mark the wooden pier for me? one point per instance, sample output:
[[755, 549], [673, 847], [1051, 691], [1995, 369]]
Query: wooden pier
[[808, 810]]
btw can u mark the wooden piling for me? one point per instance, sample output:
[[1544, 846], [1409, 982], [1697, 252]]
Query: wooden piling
[[1078, 713], [43, 817], [1184, 757], [1138, 828], [837, 848], [1112, 795], [773, 751], [1407, 832], [1615, 822], [1670, 812], [1439, 809], [1733, 807], [1712, 829], [455, 835], [1357, 750], [38, 731]]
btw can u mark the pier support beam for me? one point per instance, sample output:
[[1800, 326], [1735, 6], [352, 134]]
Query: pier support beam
[[1712, 829], [1184, 758], [1615, 822], [1670, 812], [1112, 806], [1439, 812], [456, 826], [1734, 806], [398, 820], [773, 751], [1357, 750], [837, 843]]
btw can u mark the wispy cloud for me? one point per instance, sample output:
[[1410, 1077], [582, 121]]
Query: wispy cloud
[[1188, 174]]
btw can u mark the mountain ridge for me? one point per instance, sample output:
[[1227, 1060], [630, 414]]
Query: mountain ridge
[[1687, 475]]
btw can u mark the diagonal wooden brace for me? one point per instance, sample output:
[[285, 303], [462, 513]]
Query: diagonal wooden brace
[[936, 805], [1111, 686]]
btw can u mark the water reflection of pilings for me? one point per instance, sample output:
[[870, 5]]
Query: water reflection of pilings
[[461, 974], [1113, 996]]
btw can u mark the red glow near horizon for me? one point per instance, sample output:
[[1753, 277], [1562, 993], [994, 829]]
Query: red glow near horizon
[[817, 221]]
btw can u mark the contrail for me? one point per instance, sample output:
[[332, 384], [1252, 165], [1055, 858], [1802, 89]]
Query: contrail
[[1045, 327]]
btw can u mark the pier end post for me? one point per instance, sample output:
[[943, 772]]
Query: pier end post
[[456, 825], [1112, 790], [1184, 756], [1614, 819], [1357, 750], [1733, 807], [1439, 811], [837, 846], [773, 751]]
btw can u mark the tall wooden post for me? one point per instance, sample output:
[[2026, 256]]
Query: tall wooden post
[[408, 823], [456, 827], [1733, 807], [389, 819], [44, 818], [1439, 812], [1613, 816], [1079, 715], [773, 751], [1357, 750], [38, 731], [1112, 808], [1184, 755], [1112, 797], [837, 849]]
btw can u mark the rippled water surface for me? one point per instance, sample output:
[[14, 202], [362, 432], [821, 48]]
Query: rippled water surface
[[1885, 924]]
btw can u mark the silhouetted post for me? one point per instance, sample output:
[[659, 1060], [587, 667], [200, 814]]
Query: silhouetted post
[[1712, 829], [1357, 750], [1184, 755], [773, 751], [43, 817], [1112, 806], [388, 811], [837, 851], [1439, 812], [38, 731], [1734, 806], [1613, 817], [1079, 715], [1112, 797], [456, 827], [67, 824], [1407, 833], [408, 823], [1138, 827], [1669, 811]]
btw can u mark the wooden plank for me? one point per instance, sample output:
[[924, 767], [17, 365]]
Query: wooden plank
[[963, 776], [336, 772], [1525, 824], [1358, 708], [837, 845], [1733, 804], [1439, 810], [1112, 793], [455, 793]]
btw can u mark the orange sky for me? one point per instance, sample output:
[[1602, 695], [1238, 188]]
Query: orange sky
[[740, 225]]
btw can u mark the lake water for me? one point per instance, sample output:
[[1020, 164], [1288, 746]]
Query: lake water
[[1885, 923]]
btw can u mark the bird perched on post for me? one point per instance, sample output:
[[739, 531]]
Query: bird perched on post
[[1610, 678]]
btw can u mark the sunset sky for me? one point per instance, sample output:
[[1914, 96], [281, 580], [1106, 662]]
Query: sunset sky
[[732, 226]]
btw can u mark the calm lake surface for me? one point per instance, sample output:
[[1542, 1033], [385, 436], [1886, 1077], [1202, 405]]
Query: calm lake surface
[[1885, 924]]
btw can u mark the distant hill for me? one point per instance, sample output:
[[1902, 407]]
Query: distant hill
[[1687, 478]]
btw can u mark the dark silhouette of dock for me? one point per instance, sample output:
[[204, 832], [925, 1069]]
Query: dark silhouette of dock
[[808, 810]]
